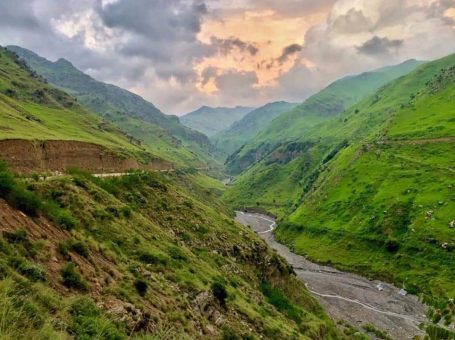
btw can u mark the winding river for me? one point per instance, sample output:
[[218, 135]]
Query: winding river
[[347, 296]]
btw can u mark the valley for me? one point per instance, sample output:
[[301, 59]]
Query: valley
[[229, 170], [346, 296]]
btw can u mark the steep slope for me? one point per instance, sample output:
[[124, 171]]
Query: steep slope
[[242, 131], [127, 257], [383, 203], [322, 106], [131, 113], [211, 121], [30, 109]]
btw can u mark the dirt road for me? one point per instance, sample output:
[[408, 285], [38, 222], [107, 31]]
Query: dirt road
[[348, 296]]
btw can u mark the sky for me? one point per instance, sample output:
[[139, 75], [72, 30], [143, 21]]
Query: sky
[[183, 54]]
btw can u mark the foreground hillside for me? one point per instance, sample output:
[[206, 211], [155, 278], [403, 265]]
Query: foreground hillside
[[211, 120], [383, 202], [139, 255], [243, 130], [162, 134]]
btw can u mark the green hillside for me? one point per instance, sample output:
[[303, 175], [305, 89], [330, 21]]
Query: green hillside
[[242, 131], [163, 134], [145, 255], [383, 202], [210, 120], [322, 106], [32, 109]]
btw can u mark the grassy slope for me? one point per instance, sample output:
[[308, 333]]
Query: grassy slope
[[161, 133], [321, 107], [32, 109], [383, 204], [242, 131], [286, 170], [144, 228], [211, 121]]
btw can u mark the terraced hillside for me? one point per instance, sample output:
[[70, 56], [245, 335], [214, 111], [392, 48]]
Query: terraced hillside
[[162, 134], [243, 130], [382, 202]]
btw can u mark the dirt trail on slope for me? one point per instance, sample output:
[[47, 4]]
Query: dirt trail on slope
[[347, 296], [418, 141], [32, 156]]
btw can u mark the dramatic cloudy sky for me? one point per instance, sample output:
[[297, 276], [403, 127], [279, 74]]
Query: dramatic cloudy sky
[[181, 54]]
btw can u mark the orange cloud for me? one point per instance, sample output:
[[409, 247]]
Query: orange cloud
[[268, 31]]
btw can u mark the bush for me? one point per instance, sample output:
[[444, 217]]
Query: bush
[[177, 254], [78, 247], [65, 220], [150, 258], [278, 299], [7, 184], [26, 201], [18, 236], [141, 287], [71, 278], [29, 270], [88, 322], [219, 291]]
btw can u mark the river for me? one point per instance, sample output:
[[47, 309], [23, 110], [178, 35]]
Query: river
[[347, 296]]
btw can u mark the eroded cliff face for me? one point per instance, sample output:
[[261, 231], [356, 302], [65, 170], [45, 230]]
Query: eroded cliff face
[[28, 156]]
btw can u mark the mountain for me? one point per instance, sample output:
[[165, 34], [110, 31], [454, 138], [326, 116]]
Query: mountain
[[211, 121], [243, 130], [131, 113], [32, 110], [122, 257], [371, 190], [387, 193], [322, 106]]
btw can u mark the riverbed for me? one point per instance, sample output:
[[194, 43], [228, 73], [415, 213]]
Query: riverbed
[[347, 296]]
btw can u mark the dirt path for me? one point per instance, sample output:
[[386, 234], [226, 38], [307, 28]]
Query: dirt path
[[348, 296]]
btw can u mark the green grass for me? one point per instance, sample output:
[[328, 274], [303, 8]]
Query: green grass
[[155, 241], [140, 120], [32, 109], [321, 107], [243, 130], [383, 204], [211, 121]]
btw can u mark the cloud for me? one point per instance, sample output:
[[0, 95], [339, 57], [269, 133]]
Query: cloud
[[226, 46], [289, 51], [181, 54], [379, 46]]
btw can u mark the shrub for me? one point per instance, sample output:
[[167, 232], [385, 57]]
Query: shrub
[[71, 278], [278, 299], [177, 253], [141, 287], [78, 247], [65, 220], [219, 291], [229, 334], [7, 184], [150, 258], [88, 322], [26, 201], [31, 271], [18, 236]]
